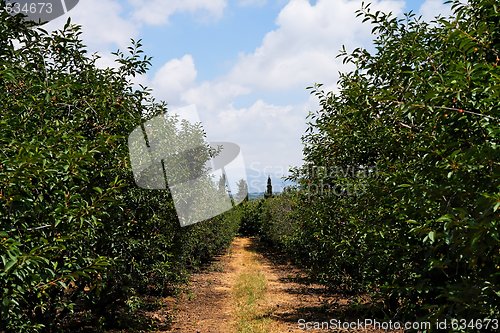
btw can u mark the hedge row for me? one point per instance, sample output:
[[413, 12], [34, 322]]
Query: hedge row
[[399, 194], [77, 236]]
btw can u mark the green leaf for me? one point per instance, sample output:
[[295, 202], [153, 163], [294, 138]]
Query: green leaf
[[432, 236], [445, 218], [10, 264]]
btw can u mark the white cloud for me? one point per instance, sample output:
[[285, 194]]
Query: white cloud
[[432, 8], [268, 134], [158, 12], [104, 28], [174, 77], [299, 52], [103, 24], [261, 115], [106, 60], [214, 95], [302, 49], [106, 24]]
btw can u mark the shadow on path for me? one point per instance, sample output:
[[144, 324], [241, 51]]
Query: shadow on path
[[307, 300]]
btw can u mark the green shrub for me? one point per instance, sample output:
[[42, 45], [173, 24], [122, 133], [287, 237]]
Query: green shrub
[[400, 187], [250, 216], [76, 233]]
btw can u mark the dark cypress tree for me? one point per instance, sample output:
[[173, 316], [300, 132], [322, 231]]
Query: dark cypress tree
[[269, 190]]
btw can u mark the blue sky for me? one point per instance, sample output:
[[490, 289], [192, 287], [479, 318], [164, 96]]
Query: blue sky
[[242, 64], [215, 44]]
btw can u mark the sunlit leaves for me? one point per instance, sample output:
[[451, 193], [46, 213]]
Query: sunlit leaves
[[423, 108]]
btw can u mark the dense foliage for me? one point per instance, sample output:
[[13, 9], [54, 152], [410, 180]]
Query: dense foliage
[[76, 233], [250, 217], [400, 192]]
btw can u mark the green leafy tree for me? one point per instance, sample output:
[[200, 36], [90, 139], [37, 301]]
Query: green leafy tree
[[223, 184], [242, 194], [411, 144], [76, 233]]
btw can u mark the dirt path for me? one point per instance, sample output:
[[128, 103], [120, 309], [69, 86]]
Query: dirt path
[[252, 291]]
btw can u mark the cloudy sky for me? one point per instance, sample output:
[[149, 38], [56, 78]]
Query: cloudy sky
[[242, 64]]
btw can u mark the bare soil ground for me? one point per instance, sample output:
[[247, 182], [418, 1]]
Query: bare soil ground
[[211, 302]]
